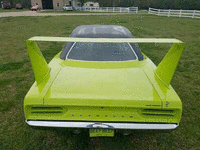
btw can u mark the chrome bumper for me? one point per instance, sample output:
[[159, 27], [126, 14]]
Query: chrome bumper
[[101, 125]]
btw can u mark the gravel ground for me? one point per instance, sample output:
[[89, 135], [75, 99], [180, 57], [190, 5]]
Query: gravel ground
[[34, 13]]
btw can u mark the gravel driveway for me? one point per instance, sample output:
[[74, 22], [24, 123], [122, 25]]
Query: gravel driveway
[[34, 13]]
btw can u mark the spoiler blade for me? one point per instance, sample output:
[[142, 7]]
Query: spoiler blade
[[168, 65], [103, 40], [164, 71], [38, 62]]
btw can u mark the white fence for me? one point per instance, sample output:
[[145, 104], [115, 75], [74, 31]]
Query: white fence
[[175, 13], [109, 9]]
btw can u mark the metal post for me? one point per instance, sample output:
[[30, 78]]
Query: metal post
[[180, 13], [193, 14], [168, 12]]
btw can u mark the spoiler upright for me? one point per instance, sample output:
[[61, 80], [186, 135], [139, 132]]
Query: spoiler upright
[[164, 71]]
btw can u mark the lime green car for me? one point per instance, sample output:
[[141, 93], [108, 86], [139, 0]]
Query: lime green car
[[102, 82]]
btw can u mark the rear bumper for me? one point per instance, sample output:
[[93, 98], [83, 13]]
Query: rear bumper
[[101, 125]]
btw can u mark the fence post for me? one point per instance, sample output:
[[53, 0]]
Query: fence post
[[120, 10], [158, 11], [168, 12], [137, 10], [193, 14], [180, 13], [107, 9], [149, 10], [128, 9]]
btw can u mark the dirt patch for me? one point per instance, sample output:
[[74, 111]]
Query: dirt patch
[[34, 13]]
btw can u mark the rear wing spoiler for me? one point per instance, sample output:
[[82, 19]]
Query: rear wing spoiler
[[164, 71], [104, 40]]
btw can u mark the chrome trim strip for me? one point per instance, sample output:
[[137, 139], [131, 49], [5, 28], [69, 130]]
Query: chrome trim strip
[[70, 50], [133, 51], [101, 125]]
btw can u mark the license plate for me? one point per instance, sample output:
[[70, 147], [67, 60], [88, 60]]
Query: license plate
[[101, 132]]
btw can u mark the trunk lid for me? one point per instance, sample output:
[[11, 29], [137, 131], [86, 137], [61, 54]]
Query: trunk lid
[[119, 87]]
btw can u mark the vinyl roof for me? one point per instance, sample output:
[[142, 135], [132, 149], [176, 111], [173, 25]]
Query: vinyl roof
[[101, 31]]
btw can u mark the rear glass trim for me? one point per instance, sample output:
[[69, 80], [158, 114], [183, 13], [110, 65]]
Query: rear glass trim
[[133, 51], [70, 50]]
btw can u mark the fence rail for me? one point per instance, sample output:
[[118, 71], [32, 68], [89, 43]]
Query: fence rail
[[175, 13], [109, 9]]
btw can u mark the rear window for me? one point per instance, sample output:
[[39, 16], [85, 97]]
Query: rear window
[[101, 52]]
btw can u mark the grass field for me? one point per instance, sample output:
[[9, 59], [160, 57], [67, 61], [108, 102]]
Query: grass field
[[16, 77]]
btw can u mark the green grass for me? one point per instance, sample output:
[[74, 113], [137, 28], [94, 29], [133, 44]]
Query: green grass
[[16, 77], [13, 10]]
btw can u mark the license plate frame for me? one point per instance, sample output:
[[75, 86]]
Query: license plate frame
[[99, 132]]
